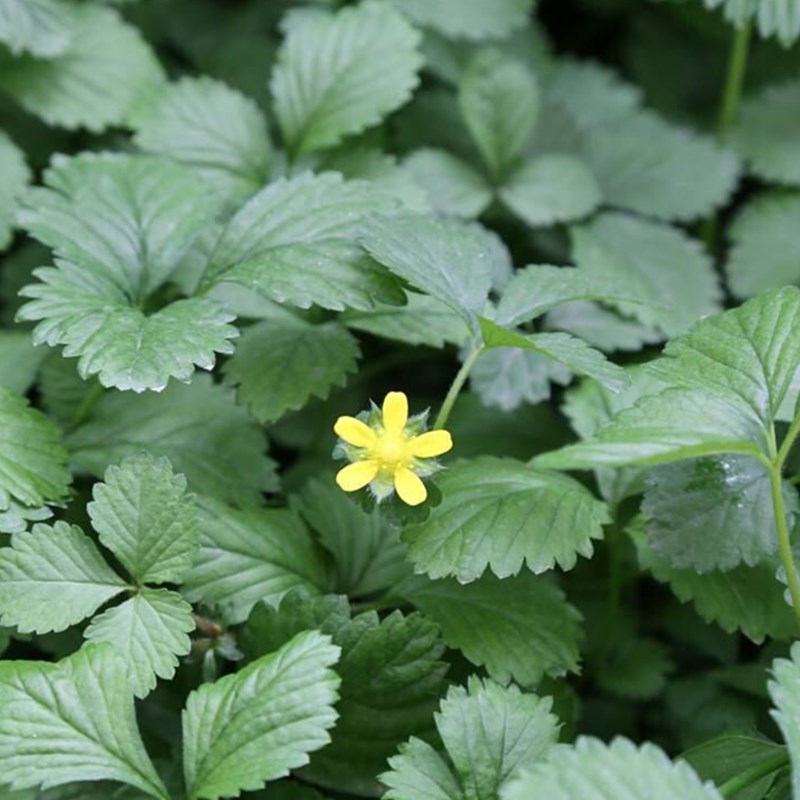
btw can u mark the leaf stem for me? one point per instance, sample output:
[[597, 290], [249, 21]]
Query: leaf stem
[[457, 384], [756, 772], [734, 81], [92, 396]]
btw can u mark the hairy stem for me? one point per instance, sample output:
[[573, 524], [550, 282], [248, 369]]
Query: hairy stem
[[457, 384], [750, 776]]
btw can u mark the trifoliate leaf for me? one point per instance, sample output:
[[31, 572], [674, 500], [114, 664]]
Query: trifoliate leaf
[[550, 189], [255, 725], [339, 74], [659, 263], [143, 515], [765, 252], [19, 361], [784, 689], [16, 175], [40, 27], [248, 556], [121, 224], [280, 364], [500, 513], [452, 186], [608, 772], [149, 631], [449, 260], [32, 458], [392, 677], [198, 427], [499, 99], [779, 18], [766, 133], [293, 242], [647, 165], [53, 577], [468, 19], [489, 733], [367, 552], [519, 628], [94, 83], [212, 128], [72, 721]]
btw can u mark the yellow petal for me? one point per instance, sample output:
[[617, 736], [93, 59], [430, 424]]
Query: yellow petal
[[354, 432], [430, 444], [410, 488], [395, 412], [356, 476]]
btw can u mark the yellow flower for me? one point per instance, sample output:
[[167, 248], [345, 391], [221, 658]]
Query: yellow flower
[[386, 453]]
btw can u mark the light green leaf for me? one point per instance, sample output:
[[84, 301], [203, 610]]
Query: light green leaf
[[468, 19], [72, 721], [784, 689], [280, 364], [449, 260], [550, 189], [669, 272], [779, 18], [15, 518], [210, 127], [500, 513], [650, 166], [121, 224], [19, 361], [16, 175], [520, 628], [767, 132], [32, 458], [339, 74], [293, 242], [255, 725], [248, 556], [608, 772], [40, 27], [765, 253], [149, 631], [53, 577], [489, 733], [143, 515], [499, 99], [198, 427], [451, 184], [94, 83]]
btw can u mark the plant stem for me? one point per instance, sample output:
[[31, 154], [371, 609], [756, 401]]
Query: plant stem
[[750, 776], [456, 386], [92, 396], [737, 65]]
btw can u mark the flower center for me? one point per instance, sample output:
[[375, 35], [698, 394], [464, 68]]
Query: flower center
[[390, 450]]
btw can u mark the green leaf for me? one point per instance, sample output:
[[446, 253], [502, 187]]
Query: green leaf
[[144, 516], [670, 273], [784, 689], [121, 224], [573, 353], [450, 260], [339, 74], [149, 631], [248, 556], [16, 175], [15, 518], [53, 577], [280, 364], [647, 165], [452, 186], [765, 253], [40, 27], [551, 189], [255, 725], [198, 427], [72, 721], [520, 628], [500, 513], [489, 733], [608, 772], [468, 19], [779, 18], [766, 133], [293, 242], [391, 674], [19, 361], [210, 127], [32, 458], [94, 83], [499, 99], [636, 668]]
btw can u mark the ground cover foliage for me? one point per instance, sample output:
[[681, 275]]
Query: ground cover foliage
[[565, 233]]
